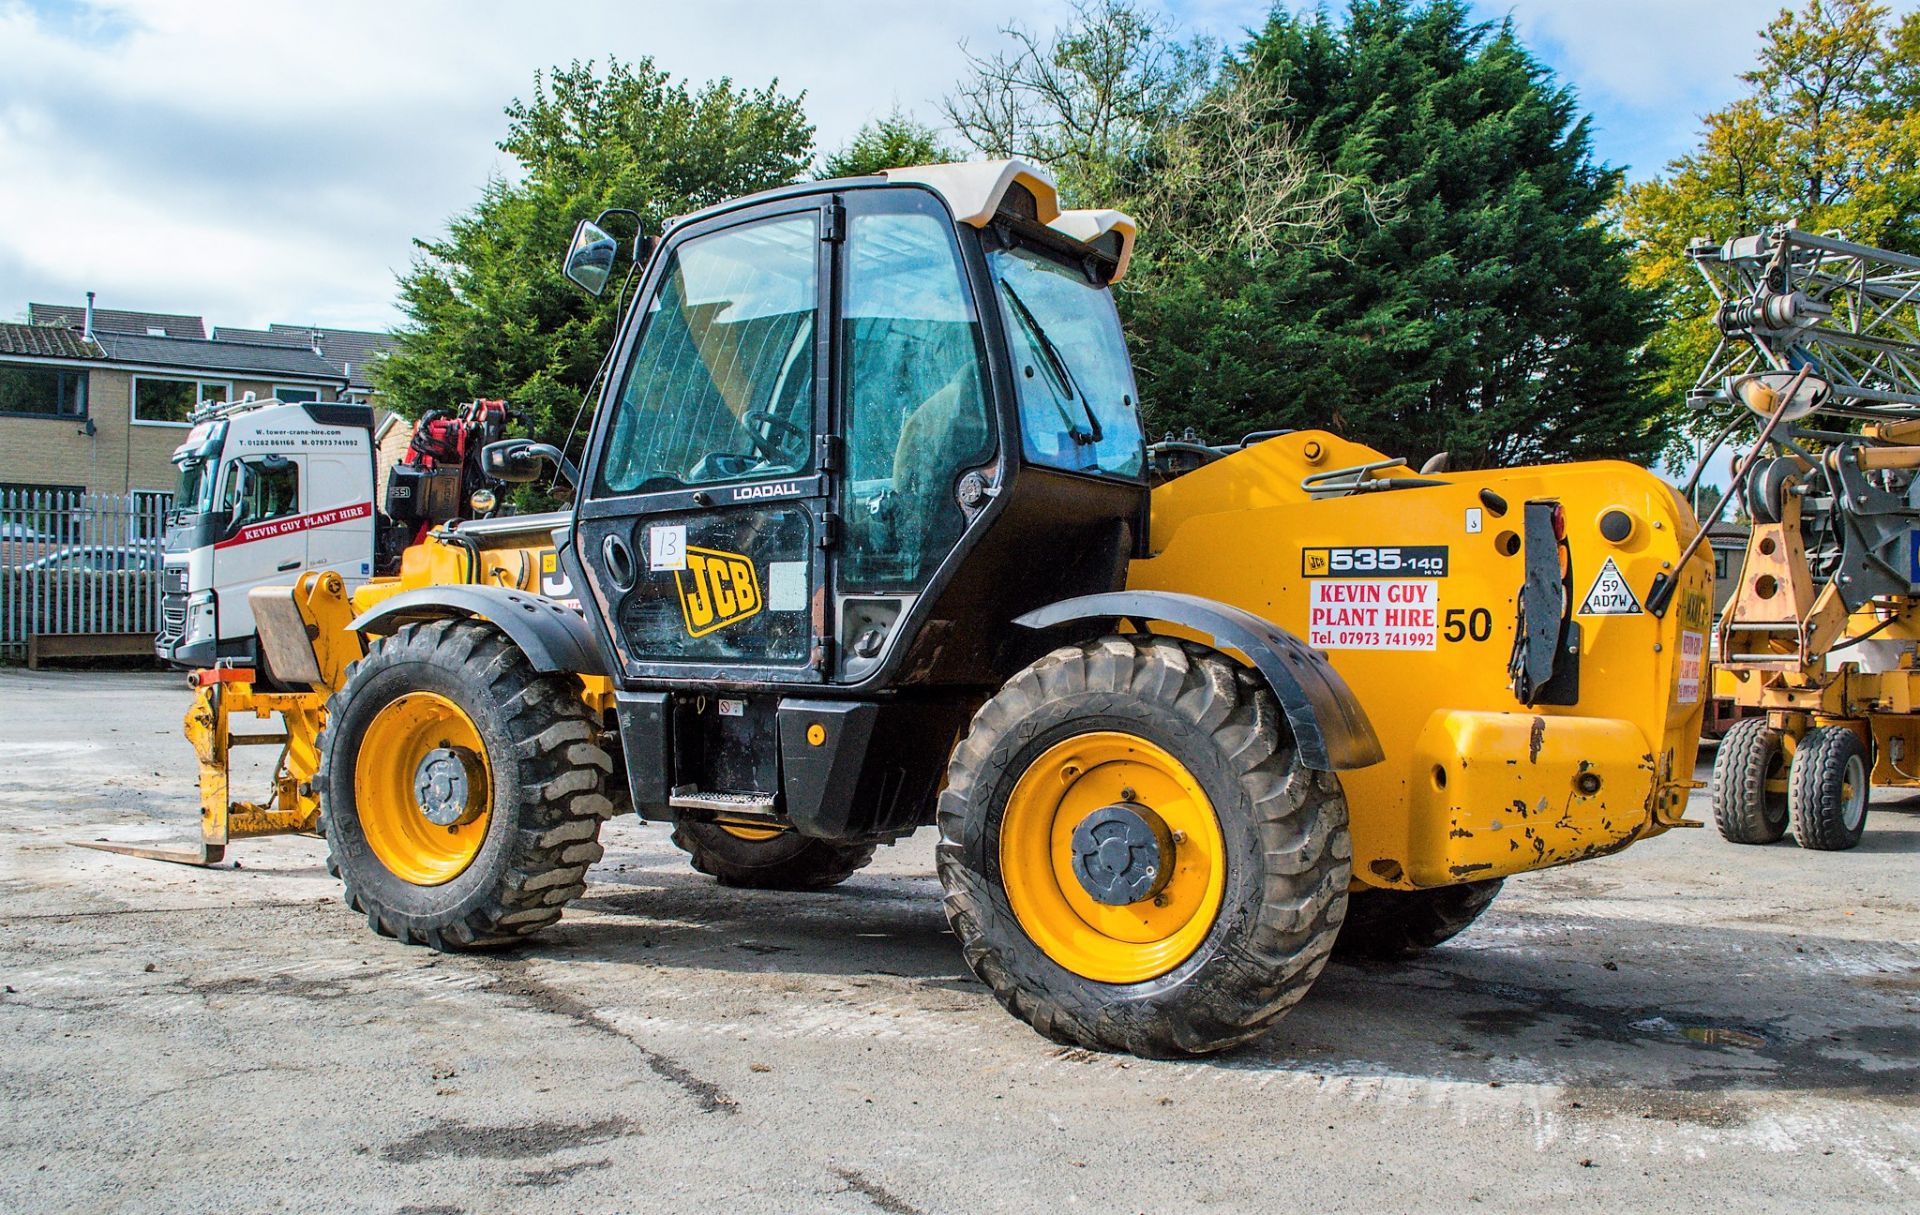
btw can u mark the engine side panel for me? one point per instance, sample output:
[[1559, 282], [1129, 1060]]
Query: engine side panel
[[1414, 596]]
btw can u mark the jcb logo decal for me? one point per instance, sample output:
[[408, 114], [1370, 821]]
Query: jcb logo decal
[[716, 589], [554, 583]]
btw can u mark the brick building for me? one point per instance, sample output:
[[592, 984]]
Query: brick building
[[97, 399]]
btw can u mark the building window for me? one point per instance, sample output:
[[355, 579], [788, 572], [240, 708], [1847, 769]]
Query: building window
[[43, 392], [170, 402], [293, 396], [150, 507], [35, 515]]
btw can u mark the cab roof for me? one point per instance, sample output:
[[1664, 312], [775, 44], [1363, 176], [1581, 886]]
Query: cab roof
[[975, 191]]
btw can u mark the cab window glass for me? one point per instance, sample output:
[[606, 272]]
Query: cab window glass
[[260, 490], [1077, 399], [916, 408], [720, 387]]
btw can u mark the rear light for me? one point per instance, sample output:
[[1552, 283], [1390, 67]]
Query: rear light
[[1559, 522]]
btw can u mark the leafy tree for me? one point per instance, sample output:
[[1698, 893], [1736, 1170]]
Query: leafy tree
[[1087, 101], [488, 313], [1382, 224], [1827, 137], [892, 142]]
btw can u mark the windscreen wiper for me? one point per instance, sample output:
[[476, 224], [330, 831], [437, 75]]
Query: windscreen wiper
[[1062, 374]]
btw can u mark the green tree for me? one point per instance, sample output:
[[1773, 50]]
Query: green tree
[[1826, 137], [1383, 224], [1484, 313], [488, 314], [891, 142]]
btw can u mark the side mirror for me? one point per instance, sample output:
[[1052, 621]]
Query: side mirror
[[591, 257], [512, 461], [518, 461]]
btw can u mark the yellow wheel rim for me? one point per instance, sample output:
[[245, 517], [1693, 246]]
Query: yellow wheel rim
[[752, 834], [407, 741], [1106, 943]]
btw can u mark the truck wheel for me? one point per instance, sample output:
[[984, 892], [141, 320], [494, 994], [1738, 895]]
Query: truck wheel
[[1394, 925], [463, 790], [760, 858], [1750, 783], [1134, 857], [1830, 789]]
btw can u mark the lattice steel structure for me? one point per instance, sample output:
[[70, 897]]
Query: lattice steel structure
[[1788, 299]]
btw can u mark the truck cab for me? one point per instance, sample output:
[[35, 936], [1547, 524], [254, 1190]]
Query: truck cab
[[266, 489]]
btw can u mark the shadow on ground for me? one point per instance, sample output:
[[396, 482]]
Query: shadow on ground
[[1664, 1031]]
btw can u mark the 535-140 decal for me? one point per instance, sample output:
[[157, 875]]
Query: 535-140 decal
[[1376, 561]]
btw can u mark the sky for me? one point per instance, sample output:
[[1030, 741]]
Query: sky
[[258, 160]]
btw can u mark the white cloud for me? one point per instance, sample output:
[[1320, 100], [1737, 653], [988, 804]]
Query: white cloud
[[265, 161], [260, 160], [1649, 69]]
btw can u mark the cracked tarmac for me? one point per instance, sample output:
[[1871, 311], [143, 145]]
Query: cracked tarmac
[[1687, 1025]]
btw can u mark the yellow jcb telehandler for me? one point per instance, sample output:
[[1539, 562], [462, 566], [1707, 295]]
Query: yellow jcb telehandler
[[867, 539]]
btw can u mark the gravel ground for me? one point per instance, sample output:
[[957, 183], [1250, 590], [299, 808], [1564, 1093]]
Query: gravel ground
[[1687, 1026]]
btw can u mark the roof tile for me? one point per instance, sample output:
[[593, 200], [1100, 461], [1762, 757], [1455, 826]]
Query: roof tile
[[47, 342], [118, 320], [237, 358]]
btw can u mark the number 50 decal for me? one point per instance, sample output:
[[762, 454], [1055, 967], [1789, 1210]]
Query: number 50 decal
[[1462, 624]]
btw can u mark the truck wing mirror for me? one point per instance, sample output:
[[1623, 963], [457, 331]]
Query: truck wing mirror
[[591, 257]]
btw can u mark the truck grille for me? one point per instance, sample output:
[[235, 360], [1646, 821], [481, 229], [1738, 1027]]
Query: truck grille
[[173, 614]]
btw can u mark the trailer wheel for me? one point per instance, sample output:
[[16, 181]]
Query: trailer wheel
[[1750, 783], [757, 858], [1134, 857], [1831, 770], [1394, 925], [464, 791]]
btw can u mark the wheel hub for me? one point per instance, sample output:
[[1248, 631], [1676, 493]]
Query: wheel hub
[[1122, 854], [443, 785]]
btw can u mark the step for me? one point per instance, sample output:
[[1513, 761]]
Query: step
[[686, 797]]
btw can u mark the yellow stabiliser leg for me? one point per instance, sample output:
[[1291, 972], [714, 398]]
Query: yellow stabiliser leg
[[291, 808]]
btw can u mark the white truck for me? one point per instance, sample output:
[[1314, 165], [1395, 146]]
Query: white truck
[[266, 489]]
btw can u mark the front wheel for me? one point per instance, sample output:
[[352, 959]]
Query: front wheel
[[1134, 857], [463, 790], [1830, 789]]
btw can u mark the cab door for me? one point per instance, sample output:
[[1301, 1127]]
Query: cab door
[[703, 529], [264, 540]]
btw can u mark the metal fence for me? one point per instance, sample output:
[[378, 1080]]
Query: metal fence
[[74, 563]]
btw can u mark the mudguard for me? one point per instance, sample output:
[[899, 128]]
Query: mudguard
[[553, 637], [1329, 726]]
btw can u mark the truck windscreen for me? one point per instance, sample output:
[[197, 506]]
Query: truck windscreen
[[194, 493]]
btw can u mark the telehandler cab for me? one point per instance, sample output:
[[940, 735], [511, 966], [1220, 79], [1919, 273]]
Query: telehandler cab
[[864, 542]]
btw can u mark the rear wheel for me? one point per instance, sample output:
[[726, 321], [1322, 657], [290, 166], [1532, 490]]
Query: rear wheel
[[1750, 783], [764, 858], [1394, 925], [463, 790], [1831, 769], [1134, 857]]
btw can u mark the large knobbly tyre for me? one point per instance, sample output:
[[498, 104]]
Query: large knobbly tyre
[[1134, 857], [758, 859], [1394, 925], [1749, 783], [463, 790], [1831, 769]]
